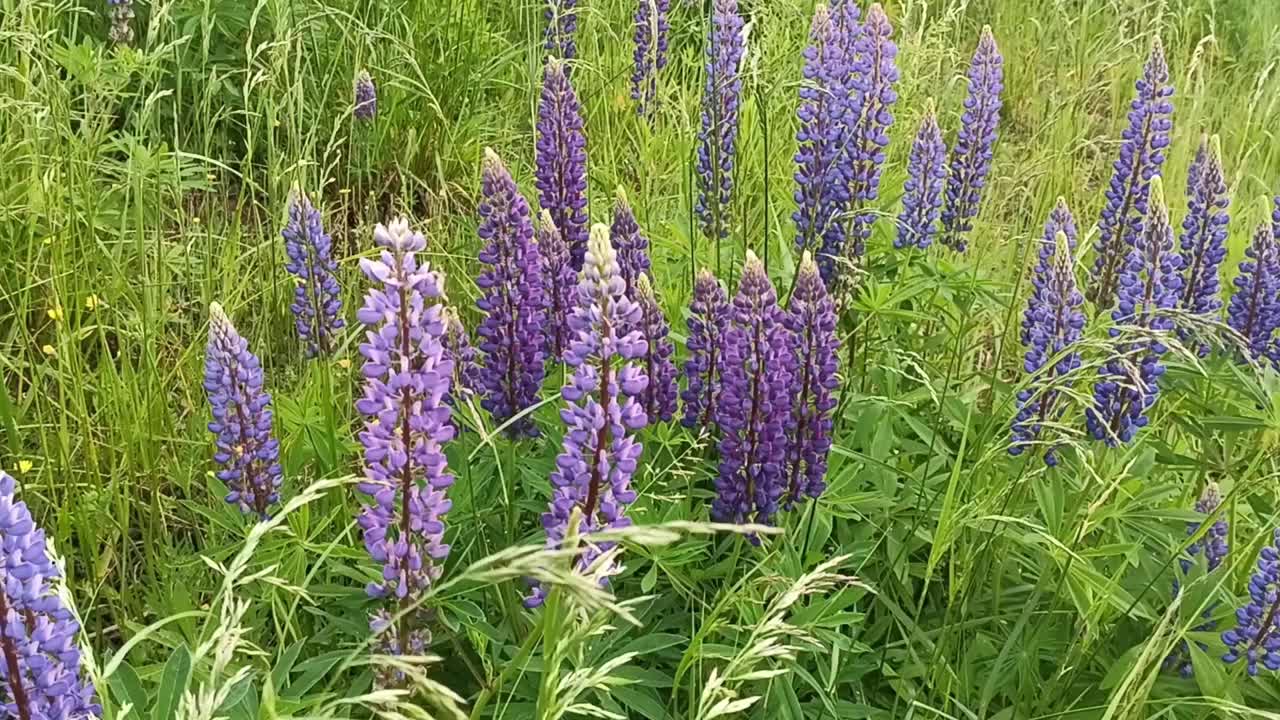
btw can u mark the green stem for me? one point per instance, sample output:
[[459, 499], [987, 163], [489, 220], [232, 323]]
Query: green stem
[[516, 664]]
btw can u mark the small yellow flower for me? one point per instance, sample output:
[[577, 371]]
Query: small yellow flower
[[24, 466], [211, 177], [48, 350], [93, 302], [195, 219], [344, 363], [55, 313], [276, 123], [48, 240]]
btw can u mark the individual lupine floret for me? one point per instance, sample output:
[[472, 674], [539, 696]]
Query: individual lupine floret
[[407, 422], [1051, 326], [1256, 637], [971, 156], [1204, 234], [1254, 309], [1149, 287], [599, 454], [512, 335], [659, 397], [1214, 546], [811, 321], [562, 25], [40, 668], [366, 95], [875, 73], [718, 138], [560, 171], [631, 244], [1141, 155], [316, 305], [922, 192], [755, 402], [121, 11], [708, 320], [460, 353], [651, 32], [242, 417], [559, 283]]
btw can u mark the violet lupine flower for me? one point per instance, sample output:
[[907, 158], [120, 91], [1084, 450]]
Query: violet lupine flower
[[755, 402], [823, 169], [631, 244], [811, 320], [718, 138], [708, 320], [599, 455], [366, 97], [407, 378], [1051, 326], [875, 73], [1256, 637], [1204, 234], [1214, 546], [40, 674], [974, 148], [316, 303], [922, 192], [1141, 155], [1254, 309], [559, 283], [651, 32], [241, 423], [1149, 287], [513, 333], [121, 12], [659, 397], [561, 164], [460, 353], [562, 25]]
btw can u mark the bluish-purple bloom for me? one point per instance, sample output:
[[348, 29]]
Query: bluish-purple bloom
[[241, 423], [562, 25], [366, 95], [1214, 545], [631, 244], [460, 353], [971, 156], [922, 192], [651, 32], [708, 320], [1256, 636], [875, 72], [718, 138], [1254, 309], [811, 321], [316, 305], [1204, 234], [560, 172], [1141, 155], [559, 283], [659, 397]]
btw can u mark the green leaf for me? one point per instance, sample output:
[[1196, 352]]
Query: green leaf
[[127, 687], [640, 699], [173, 681], [653, 642]]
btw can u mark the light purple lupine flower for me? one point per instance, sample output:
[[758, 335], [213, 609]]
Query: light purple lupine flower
[[599, 455], [366, 97], [922, 192], [718, 138], [513, 333], [875, 72], [811, 320], [1256, 637], [1254, 309], [561, 163], [1204, 235], [241, 423], [972, 153], [316, 305], [651, 32], [1141, 155], [659, 398], [708, 320], [121, 12], [631, 244], [559, 283], [562, 25], [407, 378]]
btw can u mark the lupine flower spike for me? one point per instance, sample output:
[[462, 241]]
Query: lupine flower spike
[[718, 138], [755, 403], [708, 320], [316, 307], [659, 398], [562, 25], [1051, 326], [1149, 287], [1214, 546], [1204, 234], [121, 11], [1141, 155], [366, 97], [875, 73], [651, 32], [560, 285], [974, 148], [459, 352], [1254, 309], [40, 670], [599, 455], [561, 163], [811, 320], [1256, 637], [631, 244], [512, 335], [922, 192], [407, 378], [241, 423]]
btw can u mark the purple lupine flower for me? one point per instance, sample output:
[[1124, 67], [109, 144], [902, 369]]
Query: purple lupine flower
[[121, 12], [718, 138], [708, 320], [755, 402], [460, 353], [1214, 546], [562, 25], [971, 156], [366, 97], [40, 672], [1149, 287], [875, 73], [651, 32], [1141, 155], [513, 333], [1051, 326], [407, 378], [241, 423], [559, 283], [316, 303], [659, 397], [599, 455], [922, 192], [1254, 309], [811, 320], [631, 244], [1204, 234], [828, 107], [1256, 637], [561, 163]]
